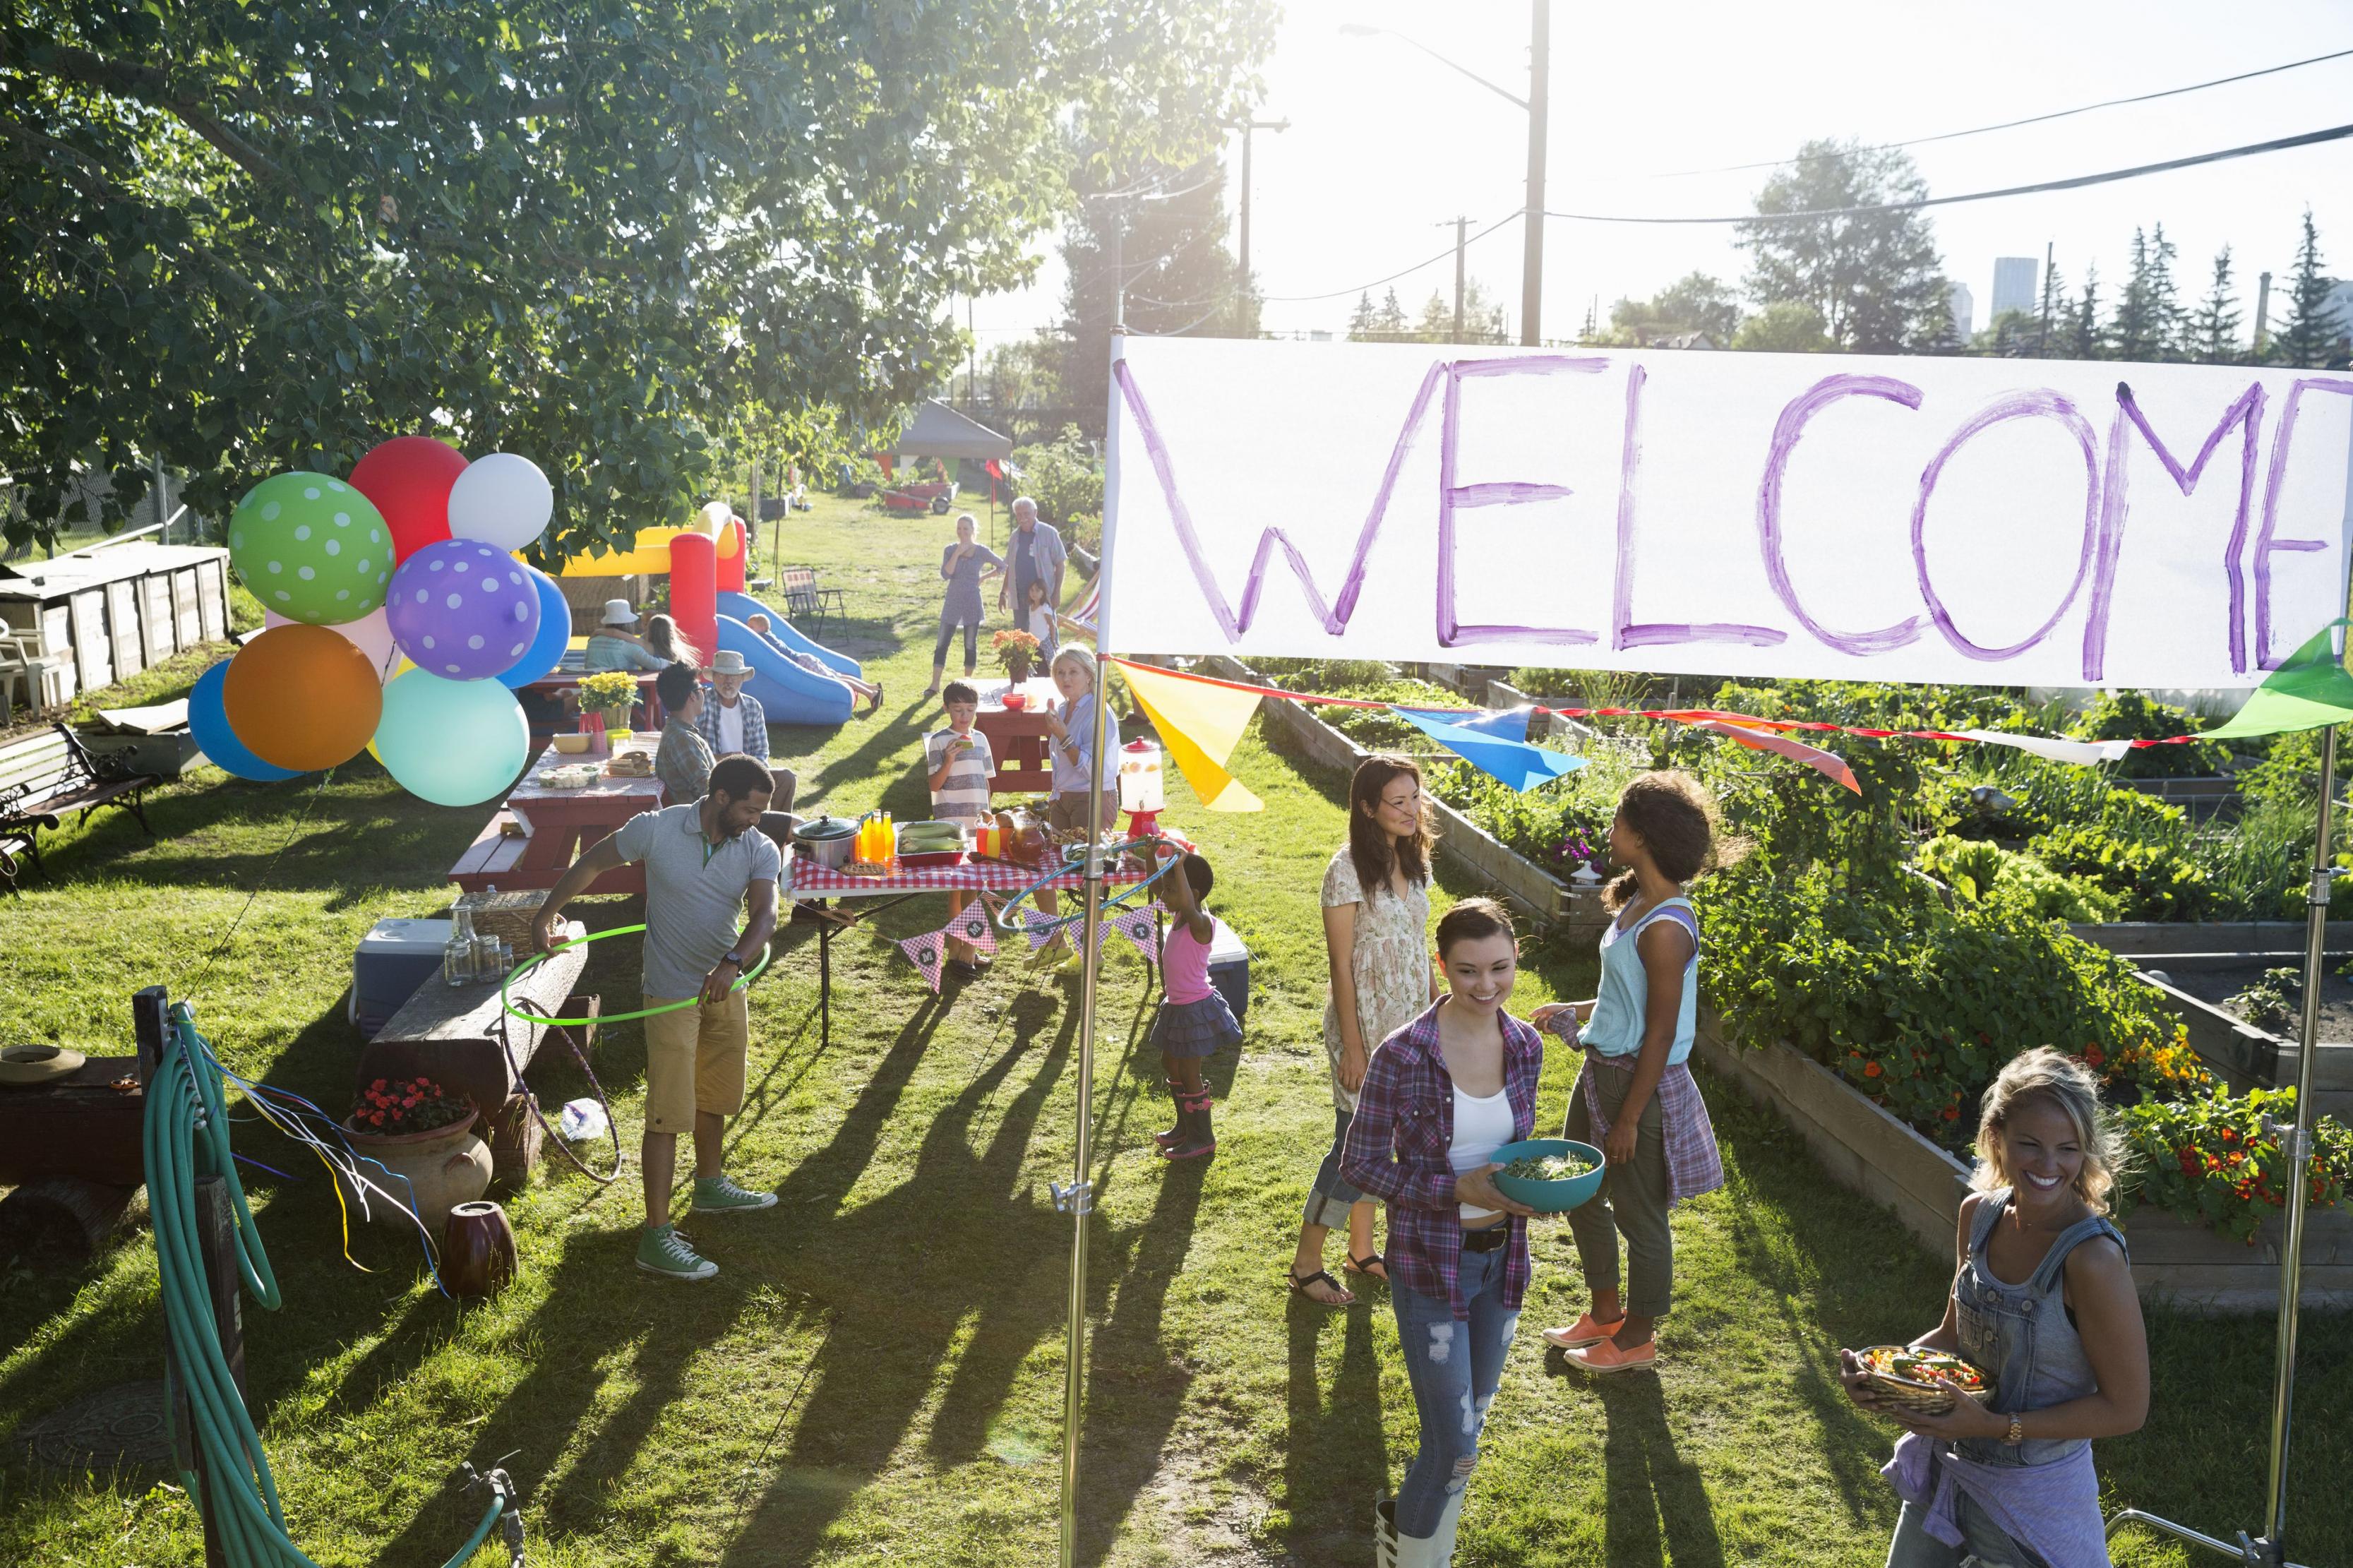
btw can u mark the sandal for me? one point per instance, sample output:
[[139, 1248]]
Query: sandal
[[1300, 1287], [1365, 1266]]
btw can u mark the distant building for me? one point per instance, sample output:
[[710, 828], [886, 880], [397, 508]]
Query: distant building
[[2014, 285], [1964, 311]]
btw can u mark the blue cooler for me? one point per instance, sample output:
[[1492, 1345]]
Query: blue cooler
[[393, 959], [1229, 968]]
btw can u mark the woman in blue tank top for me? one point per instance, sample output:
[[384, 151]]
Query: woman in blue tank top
[[2042, 1303]]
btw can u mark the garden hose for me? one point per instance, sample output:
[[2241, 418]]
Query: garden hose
[[187, 1135]]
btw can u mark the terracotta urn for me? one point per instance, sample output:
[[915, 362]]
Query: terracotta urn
[[444, 1167]]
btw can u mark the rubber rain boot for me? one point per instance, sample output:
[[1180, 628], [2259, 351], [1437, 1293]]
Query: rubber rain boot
[[1384, 1535], [1176, 1134]]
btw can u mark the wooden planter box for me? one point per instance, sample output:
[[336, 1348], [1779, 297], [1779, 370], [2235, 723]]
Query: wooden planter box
[[1867, 1149], [2134, 939], [1460, 840]]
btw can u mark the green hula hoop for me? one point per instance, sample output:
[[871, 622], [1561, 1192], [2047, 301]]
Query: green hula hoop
[[524, 967]]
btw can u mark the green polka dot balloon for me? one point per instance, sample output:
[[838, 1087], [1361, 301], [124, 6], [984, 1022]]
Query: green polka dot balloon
[[311, 548]]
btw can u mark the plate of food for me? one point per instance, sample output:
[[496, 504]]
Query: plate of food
[[1925, 1382], [1551, 1175]]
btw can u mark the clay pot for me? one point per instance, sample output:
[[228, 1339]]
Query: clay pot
[[445, 1167], [478, 1255]]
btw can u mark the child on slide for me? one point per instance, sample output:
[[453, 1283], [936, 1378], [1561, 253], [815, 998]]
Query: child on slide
[[872, 691]]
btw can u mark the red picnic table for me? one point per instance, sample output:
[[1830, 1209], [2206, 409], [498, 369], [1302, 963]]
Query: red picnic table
[[1018, 739], [553, 825], [549, 704], [805, 879]]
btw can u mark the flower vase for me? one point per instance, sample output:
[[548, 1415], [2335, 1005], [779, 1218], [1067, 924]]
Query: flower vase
[[1017, 670], [442, 1167]]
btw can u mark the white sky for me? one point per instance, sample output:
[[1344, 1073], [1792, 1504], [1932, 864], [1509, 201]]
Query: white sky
[[1386, 145]]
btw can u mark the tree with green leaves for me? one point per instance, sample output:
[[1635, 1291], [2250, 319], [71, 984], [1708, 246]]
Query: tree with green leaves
[[1873, 277], [2149, 320], [243, 238], [2214, 328], [1694, 303], [2312, 333], [2085, 339], [1784, 327], [1483, 316], [1381, 323]]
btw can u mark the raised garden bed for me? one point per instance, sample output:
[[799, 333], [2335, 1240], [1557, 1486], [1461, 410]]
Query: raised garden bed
[[1865, 1150]]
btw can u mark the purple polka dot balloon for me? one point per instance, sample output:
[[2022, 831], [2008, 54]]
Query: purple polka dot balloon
[[462, 610]]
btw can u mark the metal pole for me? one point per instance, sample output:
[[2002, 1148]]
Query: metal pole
[[162, 503], [1248, 126], [2299, 1146], [1460, 225], [2263, 312], [1539, 94]]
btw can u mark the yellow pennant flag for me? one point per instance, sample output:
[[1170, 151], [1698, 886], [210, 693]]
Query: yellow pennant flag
[[1200, 723]]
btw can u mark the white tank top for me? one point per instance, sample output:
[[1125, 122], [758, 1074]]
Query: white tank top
[[1482, 1126]]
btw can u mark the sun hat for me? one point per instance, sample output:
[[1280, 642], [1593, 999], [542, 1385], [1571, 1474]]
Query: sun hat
[[727, 661], [38, 1064], [618, 613]]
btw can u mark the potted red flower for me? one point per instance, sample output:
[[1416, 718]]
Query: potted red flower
[[423, 1135]]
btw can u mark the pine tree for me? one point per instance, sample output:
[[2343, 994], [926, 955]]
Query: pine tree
[[1360, 319], [2148, 324], [2051, 315], [2310, 337], [2084, 338], [2214, 330]]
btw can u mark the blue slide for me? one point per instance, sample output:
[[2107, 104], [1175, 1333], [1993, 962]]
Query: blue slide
[[789, 694]]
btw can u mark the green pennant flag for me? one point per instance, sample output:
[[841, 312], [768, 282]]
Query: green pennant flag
[[2312, 688]]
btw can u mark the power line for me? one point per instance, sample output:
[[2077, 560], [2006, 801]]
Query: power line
[[2309, 138], [2029, 119], [1431, 261]]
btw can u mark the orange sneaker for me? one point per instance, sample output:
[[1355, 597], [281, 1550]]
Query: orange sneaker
[[1584, 1332], [1606, 1357]]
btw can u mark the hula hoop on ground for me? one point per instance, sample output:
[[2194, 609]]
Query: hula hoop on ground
[[524, 967]]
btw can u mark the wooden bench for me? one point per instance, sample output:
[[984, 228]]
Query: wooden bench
[[43, 778], [495, 851], [803, 600]]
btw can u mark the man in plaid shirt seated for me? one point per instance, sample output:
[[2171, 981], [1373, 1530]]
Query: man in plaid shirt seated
[[733, 720]]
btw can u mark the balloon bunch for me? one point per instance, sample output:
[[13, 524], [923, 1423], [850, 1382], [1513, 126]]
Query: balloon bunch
[[398, 621]]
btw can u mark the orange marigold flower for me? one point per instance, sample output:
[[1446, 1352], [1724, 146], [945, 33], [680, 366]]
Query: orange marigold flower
[[1871, 1069]]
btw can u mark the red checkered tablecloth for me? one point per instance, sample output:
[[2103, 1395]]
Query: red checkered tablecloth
[[804, 880]]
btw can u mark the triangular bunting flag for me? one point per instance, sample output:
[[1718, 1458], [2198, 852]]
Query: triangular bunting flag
[[924, 953], [1141, 927], [1829, 764], [1509, 723], [1041, 928], [1515, 762], [972, 925], [1200, 722], [2310, 690]]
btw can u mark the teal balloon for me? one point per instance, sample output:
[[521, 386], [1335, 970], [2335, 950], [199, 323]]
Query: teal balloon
[[453, 742], [311, 548]]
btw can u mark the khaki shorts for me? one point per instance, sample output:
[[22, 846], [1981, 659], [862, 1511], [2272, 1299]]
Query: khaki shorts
[[1068, 813], [695, 1060]]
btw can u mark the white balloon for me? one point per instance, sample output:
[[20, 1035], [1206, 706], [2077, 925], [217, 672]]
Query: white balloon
[[500, 500], [371, 634]]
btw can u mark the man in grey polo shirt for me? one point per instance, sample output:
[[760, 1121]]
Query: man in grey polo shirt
[[1036, 552], [703, 858]]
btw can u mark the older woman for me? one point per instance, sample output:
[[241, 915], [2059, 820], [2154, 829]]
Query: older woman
[[1375, 925], [962, 566], [1071, 726]]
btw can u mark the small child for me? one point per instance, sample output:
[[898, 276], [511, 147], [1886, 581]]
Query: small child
[[1042, 621], [1635, 1098], [960, 766], [1194, 1019]]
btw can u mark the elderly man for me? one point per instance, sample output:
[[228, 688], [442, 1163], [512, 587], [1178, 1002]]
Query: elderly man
[[732, 721], [1036, 552]]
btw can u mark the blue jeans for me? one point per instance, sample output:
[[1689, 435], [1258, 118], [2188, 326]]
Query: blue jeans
[[1983, 1542], [1454, 1368], [1329, 1200]]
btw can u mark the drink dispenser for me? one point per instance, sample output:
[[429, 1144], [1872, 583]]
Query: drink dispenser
[[1139, 787]]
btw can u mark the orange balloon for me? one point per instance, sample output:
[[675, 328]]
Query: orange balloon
[[301, 697]]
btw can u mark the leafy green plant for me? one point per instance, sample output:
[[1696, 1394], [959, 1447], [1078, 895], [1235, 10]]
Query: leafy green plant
[[1984, 872], [2208, 1159], [2135, 716], [1064, 476], [2271, 1000], [2151, 880]]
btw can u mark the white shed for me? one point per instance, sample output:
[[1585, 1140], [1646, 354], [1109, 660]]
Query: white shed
[[103, 615]]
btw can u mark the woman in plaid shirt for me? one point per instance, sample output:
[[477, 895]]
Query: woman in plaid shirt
[[1439, 1097]]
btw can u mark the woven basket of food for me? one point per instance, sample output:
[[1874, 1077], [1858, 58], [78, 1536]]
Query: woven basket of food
[[1924, 1381], [507, 915]]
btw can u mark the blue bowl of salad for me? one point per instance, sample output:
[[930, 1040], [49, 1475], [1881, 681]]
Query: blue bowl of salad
[[1551, 1175]]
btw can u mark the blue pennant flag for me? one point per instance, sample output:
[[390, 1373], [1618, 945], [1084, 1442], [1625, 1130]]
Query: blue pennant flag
[[1494, 743]]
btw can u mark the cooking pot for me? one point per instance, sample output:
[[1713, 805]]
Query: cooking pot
[[826, 841]]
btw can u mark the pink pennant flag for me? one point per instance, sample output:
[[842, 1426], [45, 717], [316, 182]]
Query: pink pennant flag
[[1141, 927], [1041, 928], [973, 925], [1829, 764], [925, 952]]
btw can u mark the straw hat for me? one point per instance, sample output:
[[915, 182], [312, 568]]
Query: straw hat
[[618, 613], [727, 661], [38, 1064]]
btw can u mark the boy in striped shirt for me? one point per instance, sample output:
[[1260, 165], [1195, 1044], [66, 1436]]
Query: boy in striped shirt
[[960, 767]]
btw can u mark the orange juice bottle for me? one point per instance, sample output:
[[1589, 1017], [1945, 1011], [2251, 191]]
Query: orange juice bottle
[[890, 837], [864, 851]]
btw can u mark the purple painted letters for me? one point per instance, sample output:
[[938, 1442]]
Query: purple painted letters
[[2265, 544], [1625, 632], [1786, 431], [1451, 632]]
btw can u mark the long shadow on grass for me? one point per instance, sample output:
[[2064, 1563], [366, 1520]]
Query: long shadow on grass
[[1651, 1482], [1334, 1455]]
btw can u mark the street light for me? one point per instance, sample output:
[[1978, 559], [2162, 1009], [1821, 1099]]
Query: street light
[[1536, 105], [1246, 127]]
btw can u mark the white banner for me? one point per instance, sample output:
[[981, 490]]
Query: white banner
[[1993, 521]]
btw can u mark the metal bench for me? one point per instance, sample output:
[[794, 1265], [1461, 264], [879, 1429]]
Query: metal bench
[[43, 778], [803, 600]]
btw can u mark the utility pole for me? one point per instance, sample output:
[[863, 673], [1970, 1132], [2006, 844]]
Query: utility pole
[[2263, 313], [972, 360], [1460, 225], [2043, 343], [1242, 294], [1539, 95]]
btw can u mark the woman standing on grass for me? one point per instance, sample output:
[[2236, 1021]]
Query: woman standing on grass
[[1439, 1097], [1375, 925], [2010, 1481], [964, 565]]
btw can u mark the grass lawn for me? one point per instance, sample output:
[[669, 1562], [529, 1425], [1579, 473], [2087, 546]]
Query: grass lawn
[[875, 1377]]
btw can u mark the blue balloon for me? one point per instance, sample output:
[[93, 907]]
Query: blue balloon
[[548, 649], [453, 742], [208, 722]]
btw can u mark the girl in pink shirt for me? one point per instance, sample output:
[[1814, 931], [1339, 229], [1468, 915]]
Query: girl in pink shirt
[[1194, 1019]]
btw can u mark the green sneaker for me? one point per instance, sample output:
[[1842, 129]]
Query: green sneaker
[[717, 1195], [664, 1252]]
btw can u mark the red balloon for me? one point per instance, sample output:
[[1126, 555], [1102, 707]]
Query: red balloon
[[409, 477]]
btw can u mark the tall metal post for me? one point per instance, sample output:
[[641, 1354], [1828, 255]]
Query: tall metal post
[[1242, 287], [1539, 96], [162, 503], [1460, 224], [2263, 312]]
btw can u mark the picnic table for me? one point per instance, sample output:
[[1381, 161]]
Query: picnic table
[[462, 1039], [555, 826], [804, 880], [1019, 739], [544, 700]]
